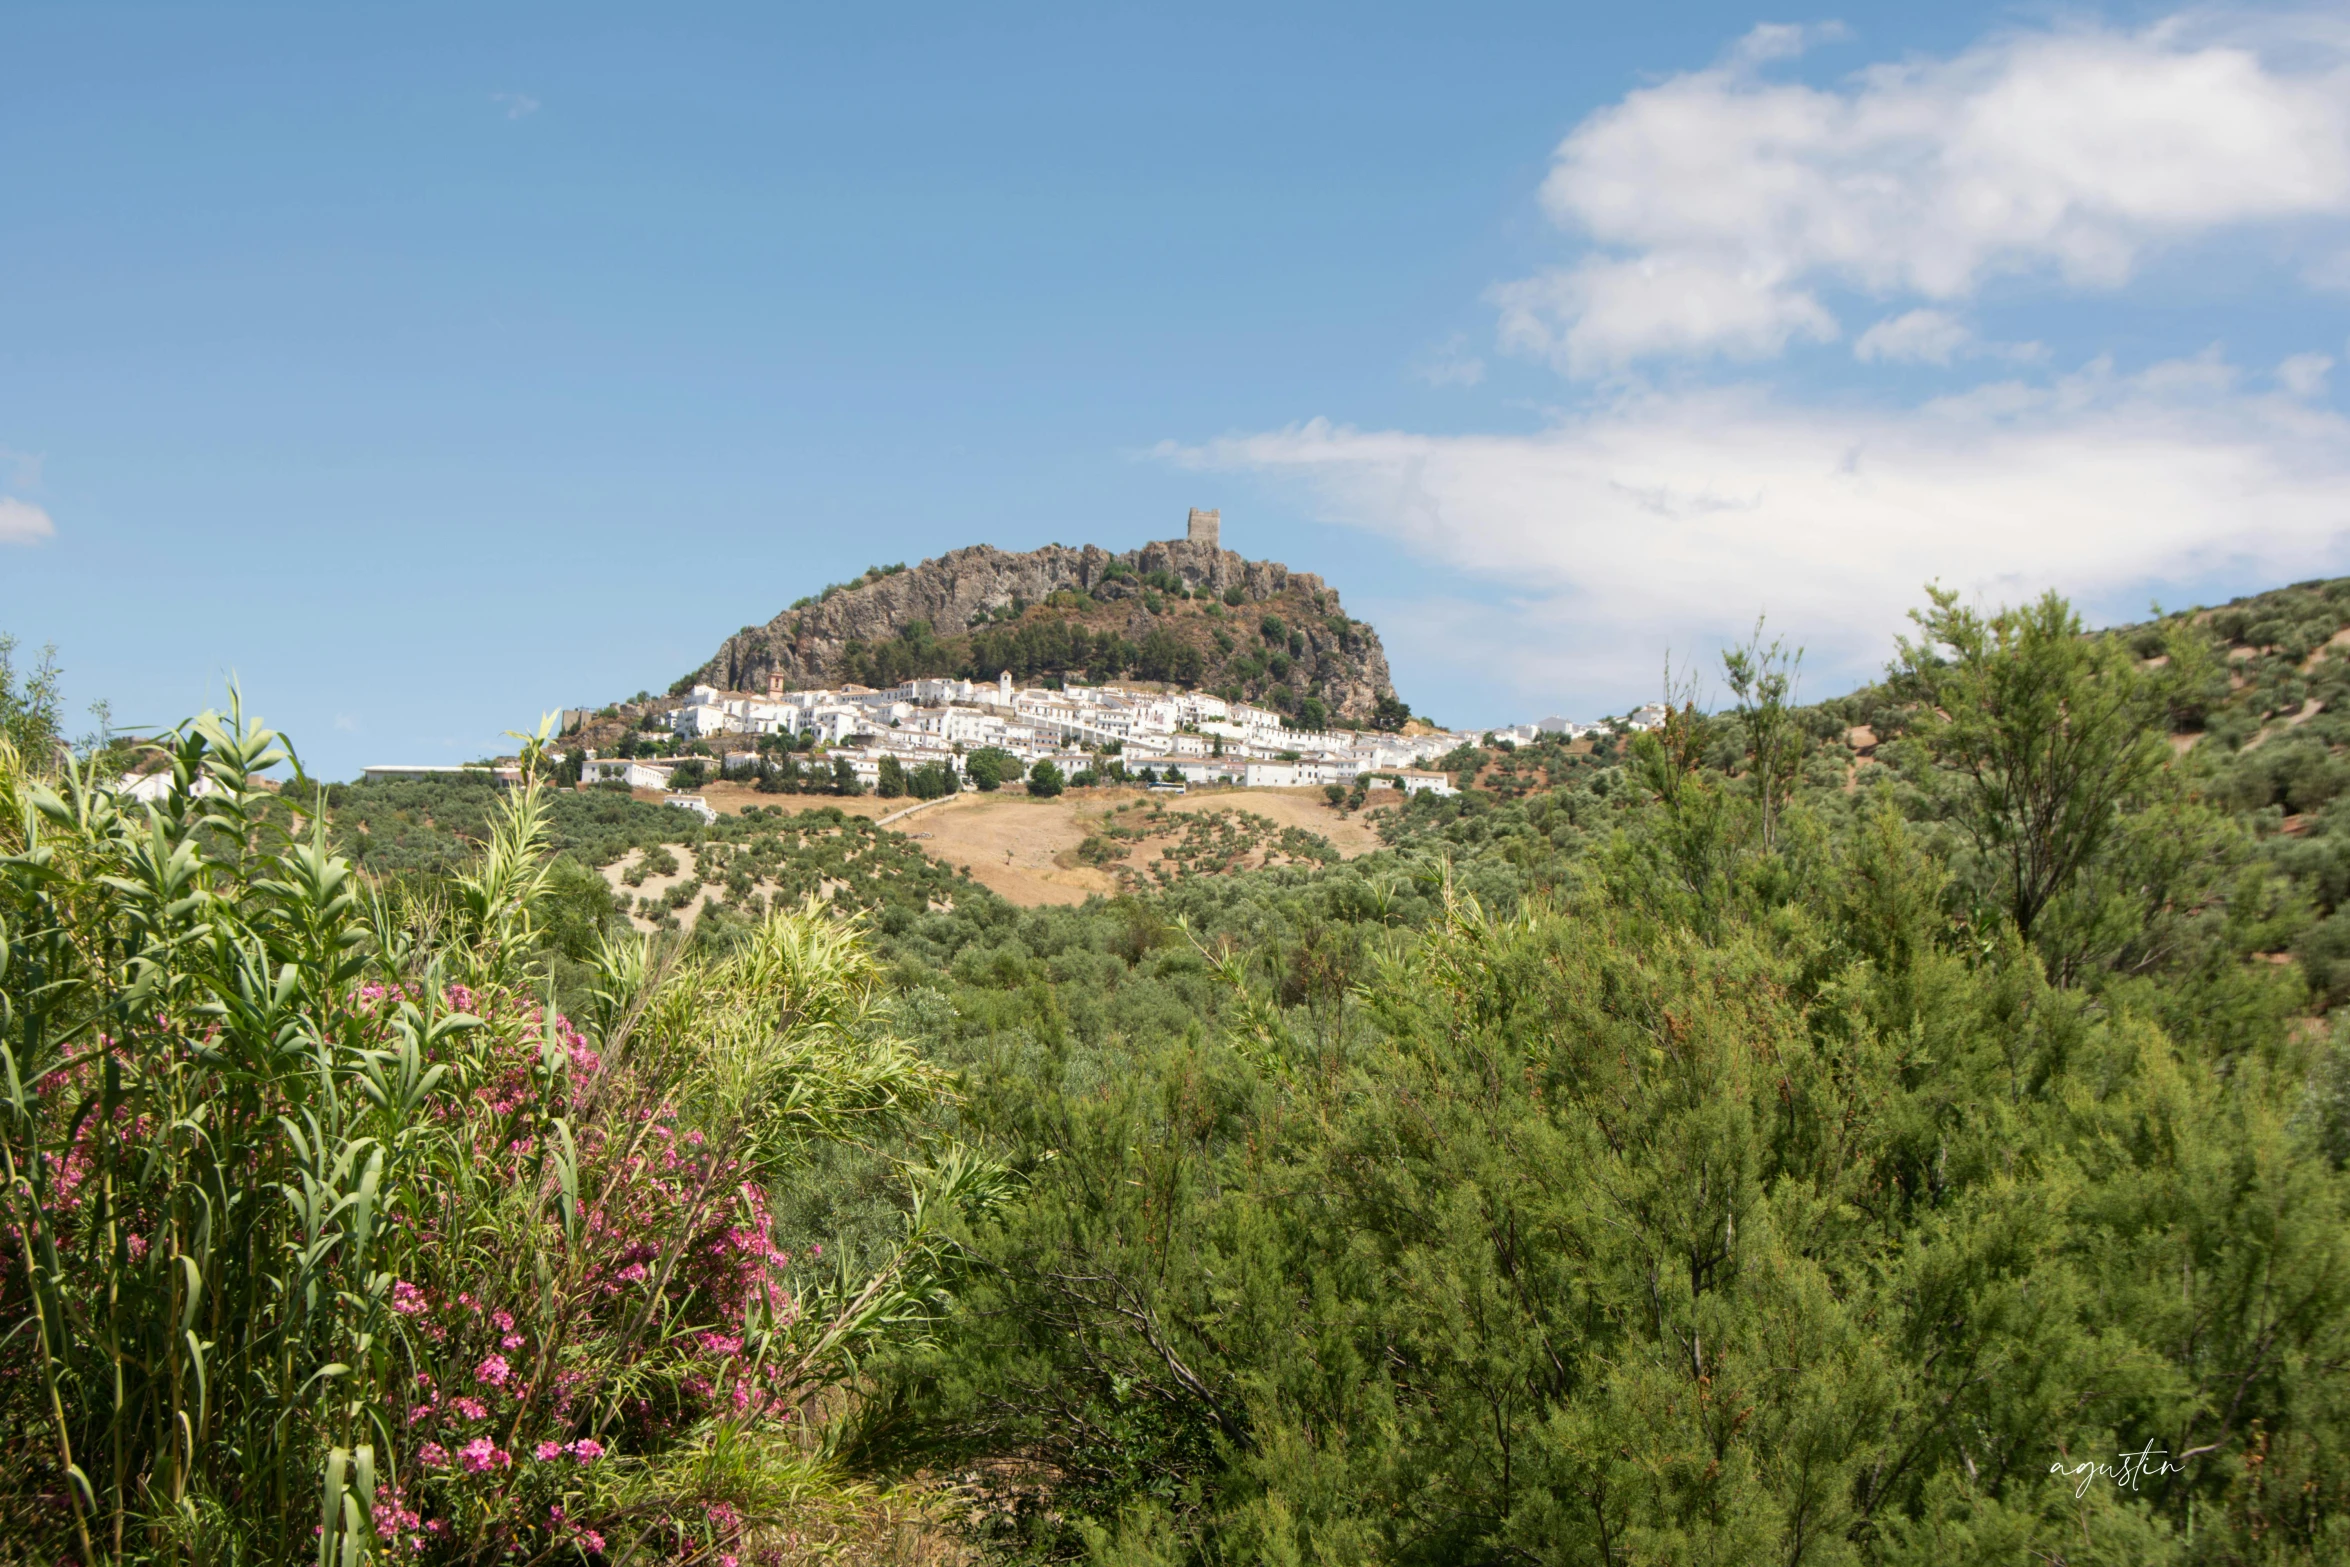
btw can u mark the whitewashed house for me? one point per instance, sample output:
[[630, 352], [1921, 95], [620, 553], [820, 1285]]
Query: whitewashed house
[[635, 772]]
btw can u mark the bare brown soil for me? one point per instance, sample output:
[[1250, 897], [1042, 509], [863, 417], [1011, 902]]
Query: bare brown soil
[[1025, 849], [1017, 846], [728, 799], [2309, 709], [1350, 835], [653, 887]]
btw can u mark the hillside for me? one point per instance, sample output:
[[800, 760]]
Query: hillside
[[1187, 613], [1604, 1123]]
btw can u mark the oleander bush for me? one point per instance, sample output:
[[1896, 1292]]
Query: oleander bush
[[332, 1235]]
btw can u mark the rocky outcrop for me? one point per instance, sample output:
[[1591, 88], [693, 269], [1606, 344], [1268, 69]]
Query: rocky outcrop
[[980, 586]]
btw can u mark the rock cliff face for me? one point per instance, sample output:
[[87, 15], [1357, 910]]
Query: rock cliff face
[[1286, 637]]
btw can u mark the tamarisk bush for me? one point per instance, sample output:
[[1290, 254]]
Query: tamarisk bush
[[330, 1238]]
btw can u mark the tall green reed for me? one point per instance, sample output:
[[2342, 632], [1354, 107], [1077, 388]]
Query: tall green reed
[[331, 1238]]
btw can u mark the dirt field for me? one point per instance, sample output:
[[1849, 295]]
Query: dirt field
[[652, 886], [728, 799], [1025, 849], [1292, 808]]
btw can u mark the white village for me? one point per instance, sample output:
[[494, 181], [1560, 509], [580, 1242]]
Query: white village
[[1164, 740]]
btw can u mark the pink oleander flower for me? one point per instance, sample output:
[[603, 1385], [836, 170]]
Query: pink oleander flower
[[138, 1246], [586, 1450], [634, 1273], [433, 1453], [470, 1408], [511, 1341], [721, 1344], [493, 1371], [391, 1519], [407, 1299], [481, 1455], [545, 1451], [502, 1321], [593, 1540]]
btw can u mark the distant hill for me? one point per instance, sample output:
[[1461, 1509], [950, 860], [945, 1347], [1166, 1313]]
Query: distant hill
[[1184, 611]]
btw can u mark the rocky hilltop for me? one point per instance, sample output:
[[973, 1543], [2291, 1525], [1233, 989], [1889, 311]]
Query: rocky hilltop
[[1184, 611]]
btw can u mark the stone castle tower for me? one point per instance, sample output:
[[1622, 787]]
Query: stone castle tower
[[1205, 525]]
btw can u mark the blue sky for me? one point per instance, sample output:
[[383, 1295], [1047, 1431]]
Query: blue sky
[[425, 368]]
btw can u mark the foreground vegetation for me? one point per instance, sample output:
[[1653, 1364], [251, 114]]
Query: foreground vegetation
[[332, 1233], [1812, 1134]]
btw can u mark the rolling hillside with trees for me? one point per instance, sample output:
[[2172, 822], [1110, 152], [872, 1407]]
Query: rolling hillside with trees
[[1828, 1132]]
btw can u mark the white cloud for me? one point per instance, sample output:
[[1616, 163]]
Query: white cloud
[[2304, 375], [1604, 314], [1919, 337], [1934, 337], [1769, 41], [1454, 365], [1684, 514], [21, 522], [517, 104], [1721, 202]]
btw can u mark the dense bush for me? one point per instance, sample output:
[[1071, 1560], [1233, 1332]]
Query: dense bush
[[1593, 1177], [1588, 1239]]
